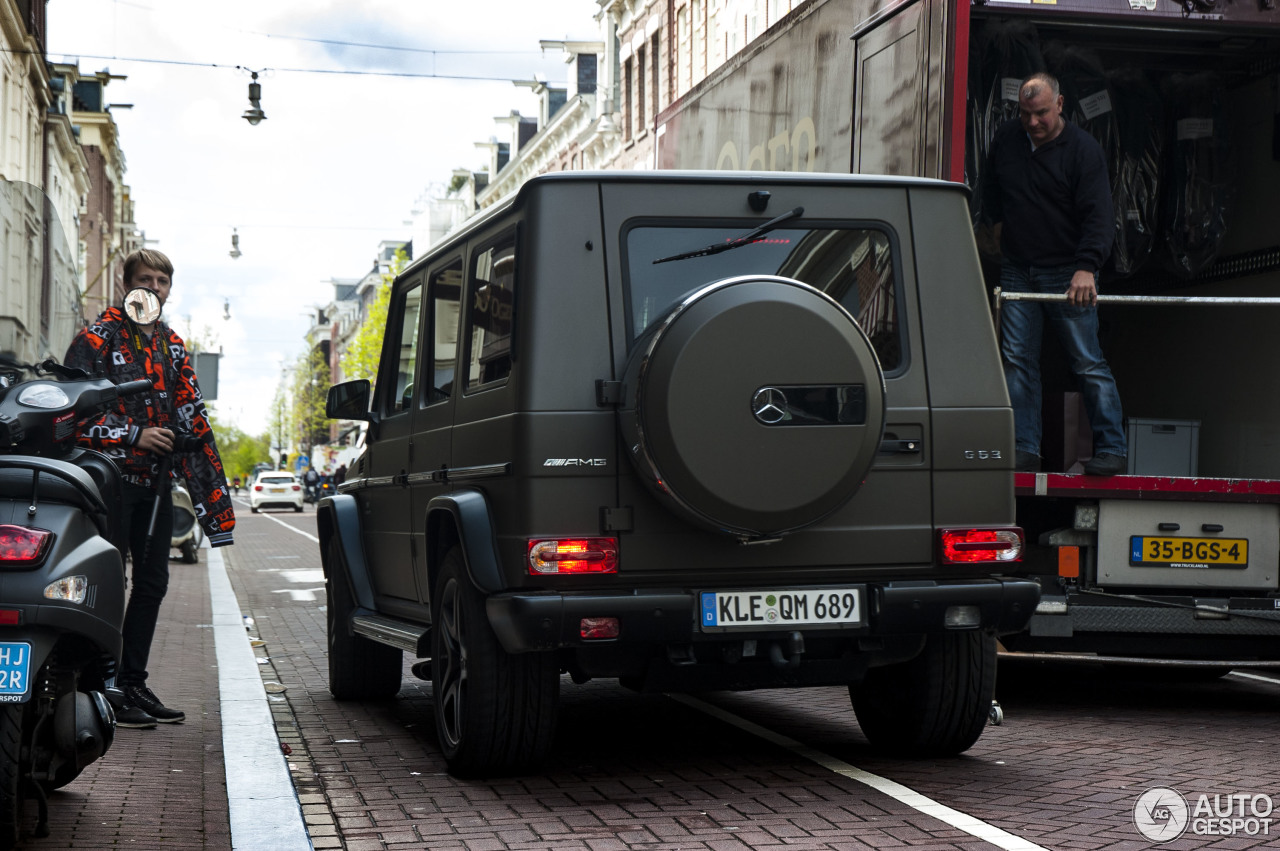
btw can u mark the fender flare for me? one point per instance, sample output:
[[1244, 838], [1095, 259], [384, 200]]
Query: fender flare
[[470, 510], [338, 517]]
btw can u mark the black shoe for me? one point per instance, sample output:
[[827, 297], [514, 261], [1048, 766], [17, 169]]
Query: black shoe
[[1106, 464], [1027, 462], [143, 698], [128, 714]]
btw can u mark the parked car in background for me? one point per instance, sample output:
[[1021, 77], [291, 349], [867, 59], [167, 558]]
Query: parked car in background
[[276, 489]]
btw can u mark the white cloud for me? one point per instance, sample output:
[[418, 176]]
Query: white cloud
[[334, 169]]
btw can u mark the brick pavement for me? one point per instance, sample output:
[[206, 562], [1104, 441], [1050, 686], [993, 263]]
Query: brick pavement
[[163, 788], [643, 771]]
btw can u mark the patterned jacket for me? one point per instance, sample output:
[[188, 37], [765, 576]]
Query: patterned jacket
[[107, 348]]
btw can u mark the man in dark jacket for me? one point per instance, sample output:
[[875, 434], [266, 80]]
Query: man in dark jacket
[[140, 433], [1050, 190]]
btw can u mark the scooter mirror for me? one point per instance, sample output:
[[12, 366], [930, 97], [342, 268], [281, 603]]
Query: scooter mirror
[[142, 305]]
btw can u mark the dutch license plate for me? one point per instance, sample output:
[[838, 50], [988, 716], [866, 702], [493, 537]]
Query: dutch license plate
[[277, 490], [15, 663], [782, 608], [1147, 551]]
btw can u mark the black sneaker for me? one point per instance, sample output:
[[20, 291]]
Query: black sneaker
[[1026, 462], [128, 714], [1106, 464], [143, 698]]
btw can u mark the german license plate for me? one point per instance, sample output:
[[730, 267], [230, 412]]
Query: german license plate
[[782, 608], [15, 663], [1147, 551]]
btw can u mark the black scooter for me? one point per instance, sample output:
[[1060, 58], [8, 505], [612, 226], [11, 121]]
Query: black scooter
[[62, 585]]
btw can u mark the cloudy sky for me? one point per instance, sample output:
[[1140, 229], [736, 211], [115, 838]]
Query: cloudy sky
[[336, 167]]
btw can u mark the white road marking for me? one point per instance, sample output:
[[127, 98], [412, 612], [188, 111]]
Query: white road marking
[[1274, 681], [307, 575], [301, 595], [261, 801], [961, 821], [306, 535]]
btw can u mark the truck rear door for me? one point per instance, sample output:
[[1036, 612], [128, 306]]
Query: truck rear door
[[910, 64]]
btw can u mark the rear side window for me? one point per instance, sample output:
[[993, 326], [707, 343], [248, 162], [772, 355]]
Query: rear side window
[[489, 318], [853, 265]]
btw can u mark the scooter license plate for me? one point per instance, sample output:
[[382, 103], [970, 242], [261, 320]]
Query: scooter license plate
[[15, 664]]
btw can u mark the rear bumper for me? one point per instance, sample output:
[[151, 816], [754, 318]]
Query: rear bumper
[[529, 621]]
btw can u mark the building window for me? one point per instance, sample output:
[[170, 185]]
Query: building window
[[657, 66], [684, 52], [626, 98], [640, 87]]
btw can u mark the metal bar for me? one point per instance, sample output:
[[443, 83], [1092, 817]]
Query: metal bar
[[1212, 301]]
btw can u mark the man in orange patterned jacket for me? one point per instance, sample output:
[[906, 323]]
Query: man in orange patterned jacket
[[139, 433]]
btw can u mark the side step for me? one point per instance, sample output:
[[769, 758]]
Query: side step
[[1051, 656], [409, 637]]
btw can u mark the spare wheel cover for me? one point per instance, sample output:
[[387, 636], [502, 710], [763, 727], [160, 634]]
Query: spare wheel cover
[[756, 406]]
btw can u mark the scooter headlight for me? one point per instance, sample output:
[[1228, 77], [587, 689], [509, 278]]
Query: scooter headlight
[[43, 396], [72, 589]]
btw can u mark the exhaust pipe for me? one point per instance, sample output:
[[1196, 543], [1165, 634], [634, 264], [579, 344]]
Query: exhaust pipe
[[84, 726]]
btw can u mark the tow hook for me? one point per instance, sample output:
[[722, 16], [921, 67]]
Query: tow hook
[[790, 658]]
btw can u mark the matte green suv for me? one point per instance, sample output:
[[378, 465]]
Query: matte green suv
[[690, 431]]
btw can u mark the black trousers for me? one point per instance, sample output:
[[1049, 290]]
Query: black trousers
[[149, 580]]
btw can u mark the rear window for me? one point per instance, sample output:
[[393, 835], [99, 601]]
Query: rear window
[[854, 265], [276, 480]]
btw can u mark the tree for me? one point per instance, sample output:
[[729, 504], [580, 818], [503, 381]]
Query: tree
[[280, 423], [361, 355], [311, 379], [239, 451]]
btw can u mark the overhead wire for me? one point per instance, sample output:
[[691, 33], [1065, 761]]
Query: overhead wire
[[340, 71]]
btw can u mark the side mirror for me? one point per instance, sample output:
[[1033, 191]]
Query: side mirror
[[349, 401]]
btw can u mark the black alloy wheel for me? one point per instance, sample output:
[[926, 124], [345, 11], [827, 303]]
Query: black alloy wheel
[[495, 711]]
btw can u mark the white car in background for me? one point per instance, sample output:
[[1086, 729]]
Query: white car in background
[[275, 488]]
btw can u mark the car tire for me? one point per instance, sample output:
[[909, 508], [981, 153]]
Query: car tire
[[933, 705], [359, 668], [255, 509], [297, 509], [746, 369], [190, 553], [495, 712]]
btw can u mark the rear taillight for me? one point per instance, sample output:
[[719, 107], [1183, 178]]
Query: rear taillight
[[297, 487], [967, 546], [22, 545], [573, 555], [258, 488]]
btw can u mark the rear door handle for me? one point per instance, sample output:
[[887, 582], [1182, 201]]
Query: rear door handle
[[900, 447]]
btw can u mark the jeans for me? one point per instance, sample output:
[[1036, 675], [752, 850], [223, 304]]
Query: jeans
[[1022, 328], [149, 580]]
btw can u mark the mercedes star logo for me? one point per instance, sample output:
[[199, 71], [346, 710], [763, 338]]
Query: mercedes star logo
[[769, 405]]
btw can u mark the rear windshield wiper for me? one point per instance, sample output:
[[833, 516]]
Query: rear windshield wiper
[[745, 239]]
